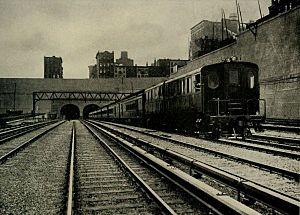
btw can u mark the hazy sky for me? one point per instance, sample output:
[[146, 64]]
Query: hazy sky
[[76, 29]]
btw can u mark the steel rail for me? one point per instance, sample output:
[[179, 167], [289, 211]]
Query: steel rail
[[27, 143], [241, 144], [284, 172], [162, 204], [219, 202], [281, 127], [278, 139], [10, 128], [71, 172], [272, 198], [275, 145], [23, 130], [2, 133]]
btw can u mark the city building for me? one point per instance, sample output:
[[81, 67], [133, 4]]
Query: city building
[[105, 64], [169, 66], [53, 67], [93, 72], [120, 71], [207, 36], [138, 71], [124, 68], [124, 60], [281, 6]]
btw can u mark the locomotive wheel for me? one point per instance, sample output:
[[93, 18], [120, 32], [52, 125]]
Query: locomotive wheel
[[213, 132]]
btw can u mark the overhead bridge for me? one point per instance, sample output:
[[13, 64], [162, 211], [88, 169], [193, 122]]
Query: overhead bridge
[[71, 96]]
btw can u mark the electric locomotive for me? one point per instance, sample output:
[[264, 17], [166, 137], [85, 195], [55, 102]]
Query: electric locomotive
[[214, 99]]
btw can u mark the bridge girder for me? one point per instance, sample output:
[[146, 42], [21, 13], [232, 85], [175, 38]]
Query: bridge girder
[[76, 95]]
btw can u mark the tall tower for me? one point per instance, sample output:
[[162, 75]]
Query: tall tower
[[53, 67], [105, 64], [124, 60]]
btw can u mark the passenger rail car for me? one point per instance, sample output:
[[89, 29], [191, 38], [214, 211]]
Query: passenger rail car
[[129, 110], [214, 99]]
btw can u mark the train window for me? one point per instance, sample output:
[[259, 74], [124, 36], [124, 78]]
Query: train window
[[250, 80], [213, 80], [198, 82], [159, 92], [178, 87], [187, 85], [234, 77]]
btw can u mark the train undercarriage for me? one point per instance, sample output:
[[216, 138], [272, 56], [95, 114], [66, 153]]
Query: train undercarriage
[[213, 127]]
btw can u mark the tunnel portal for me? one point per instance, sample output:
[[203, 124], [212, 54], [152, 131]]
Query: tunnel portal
[[89, 108], [69, 112]]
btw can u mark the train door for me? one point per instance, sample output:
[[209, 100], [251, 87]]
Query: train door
[[213, 89], [233, 79], [251, 89]]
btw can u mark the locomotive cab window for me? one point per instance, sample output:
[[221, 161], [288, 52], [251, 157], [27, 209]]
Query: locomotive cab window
[[251, 80], [234, 77], [213, 80]]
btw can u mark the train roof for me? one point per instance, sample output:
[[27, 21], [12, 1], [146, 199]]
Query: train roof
[[116, 102], [198, 70]]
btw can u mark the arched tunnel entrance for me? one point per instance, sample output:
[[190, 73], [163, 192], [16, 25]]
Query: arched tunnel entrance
[[69, 112], [89, 108]]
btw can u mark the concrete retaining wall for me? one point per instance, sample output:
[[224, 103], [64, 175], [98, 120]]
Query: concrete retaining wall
[[26, 86]]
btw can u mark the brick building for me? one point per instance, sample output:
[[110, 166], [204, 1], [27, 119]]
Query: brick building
[[169, 66], [53, 67], [105, 64], [124, 68]]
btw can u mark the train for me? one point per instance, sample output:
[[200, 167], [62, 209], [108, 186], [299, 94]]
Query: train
[[214, 100]]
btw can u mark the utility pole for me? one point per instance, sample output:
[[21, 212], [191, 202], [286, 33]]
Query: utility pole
[[15, 89], [237, 12], [259, 8]]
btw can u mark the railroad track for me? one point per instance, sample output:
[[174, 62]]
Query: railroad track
[[282, 142], [33, 181], [11, 133], [264, 146], [288, 168], [11, 147], [242, 176], [94, 168], [278, 127], [10, 127]]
